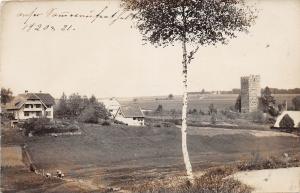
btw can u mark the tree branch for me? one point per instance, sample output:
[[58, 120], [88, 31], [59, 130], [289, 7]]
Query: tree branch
[[191, 55]]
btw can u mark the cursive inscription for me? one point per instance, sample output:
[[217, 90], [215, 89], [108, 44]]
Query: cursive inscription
[[31, 20]]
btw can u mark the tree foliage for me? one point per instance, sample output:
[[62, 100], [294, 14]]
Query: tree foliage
[[163, 22], [6, 95], [296, 103], [238, 104], [286, 122], [159, 109], [81, 108], [268, 102]]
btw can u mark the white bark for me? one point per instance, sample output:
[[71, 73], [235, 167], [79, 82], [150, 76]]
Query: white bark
[[185, 152]]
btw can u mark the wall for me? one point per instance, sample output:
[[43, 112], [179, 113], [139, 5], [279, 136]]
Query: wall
[[250, 92], [131, 121]]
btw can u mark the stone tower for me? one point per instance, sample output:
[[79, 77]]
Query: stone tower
[[250, 92]]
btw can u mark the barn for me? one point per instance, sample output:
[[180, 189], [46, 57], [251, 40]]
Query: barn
[[129, 113], [295, 115]]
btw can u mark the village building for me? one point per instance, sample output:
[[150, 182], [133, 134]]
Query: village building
[[31, 105], [130, 114], [295, 115], [250, 93]]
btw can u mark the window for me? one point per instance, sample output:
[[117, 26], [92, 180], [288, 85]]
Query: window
[[38, 105], [28, 106], [26, 114], [133, 118], [48, 113], [38, 113]]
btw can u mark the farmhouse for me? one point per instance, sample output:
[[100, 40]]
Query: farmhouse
[[130, 114], [31, 105], [295, 115]]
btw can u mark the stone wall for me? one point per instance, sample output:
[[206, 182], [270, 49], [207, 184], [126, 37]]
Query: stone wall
[[250, 92]]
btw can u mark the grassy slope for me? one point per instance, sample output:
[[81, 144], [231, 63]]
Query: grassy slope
[[112, 152]]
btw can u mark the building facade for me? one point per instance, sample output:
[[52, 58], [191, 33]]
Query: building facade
[[250, 93], [31, 105], [130, 114]]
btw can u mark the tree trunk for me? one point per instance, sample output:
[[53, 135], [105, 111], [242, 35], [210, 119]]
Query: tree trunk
[[185, 152]]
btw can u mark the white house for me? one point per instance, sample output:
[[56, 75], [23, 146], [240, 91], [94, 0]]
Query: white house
[[31, 105], [295, 115], [112, 105], [130, 114]]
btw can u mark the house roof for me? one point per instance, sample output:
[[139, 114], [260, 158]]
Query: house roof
[[20, 99], [110, 103], [46, 98], [295, 115], [131, 110]]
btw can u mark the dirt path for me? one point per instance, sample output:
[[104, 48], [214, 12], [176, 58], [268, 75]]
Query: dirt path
[[272, 180]]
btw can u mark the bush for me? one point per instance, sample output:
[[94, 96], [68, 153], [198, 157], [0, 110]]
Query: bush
[[230, 114], [214, 180], [296, 103], [258, 117], [119, 122], [41, 126], [106, 123], [89, 115], [213, 118], [287, 122]]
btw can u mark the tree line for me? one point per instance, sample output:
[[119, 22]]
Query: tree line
[[81, 108]]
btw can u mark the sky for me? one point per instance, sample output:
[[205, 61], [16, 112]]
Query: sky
[[111, 60]]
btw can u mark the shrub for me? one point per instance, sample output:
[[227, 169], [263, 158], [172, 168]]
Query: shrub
[[89, 115], [214, 180], [213, 118], [119, 122], [287, 122], [258, 117], [41, 126], [106, 123], [34, 125], [296, 103]]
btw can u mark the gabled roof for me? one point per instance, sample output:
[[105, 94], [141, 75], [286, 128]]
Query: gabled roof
[[46, 98], [110, 103], [295, 115], [19, 100], [131, 110]]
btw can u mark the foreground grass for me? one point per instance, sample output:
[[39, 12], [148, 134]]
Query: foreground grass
[[218, 179], [215, 180]]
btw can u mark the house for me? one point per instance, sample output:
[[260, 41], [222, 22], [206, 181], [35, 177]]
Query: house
[[295, 115], [31, 105], [112, 105], [130, 114]]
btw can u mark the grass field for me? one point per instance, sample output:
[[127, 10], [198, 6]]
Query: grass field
[[11, 156], [197, 101], [122, 156]]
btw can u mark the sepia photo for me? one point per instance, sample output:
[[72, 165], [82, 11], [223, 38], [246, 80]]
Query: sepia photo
[[150, 96]]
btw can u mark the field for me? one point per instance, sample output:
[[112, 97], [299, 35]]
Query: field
[[11, 156], [197, 101], [123, 156]]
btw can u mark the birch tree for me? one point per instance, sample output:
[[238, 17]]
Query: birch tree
[[192, 23]]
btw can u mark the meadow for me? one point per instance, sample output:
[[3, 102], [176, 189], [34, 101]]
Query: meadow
[[122, 156], [197, 101]]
